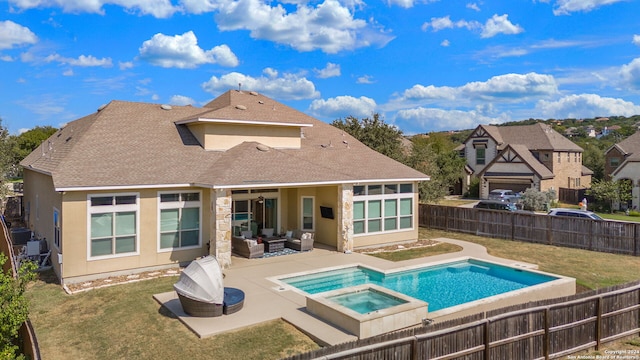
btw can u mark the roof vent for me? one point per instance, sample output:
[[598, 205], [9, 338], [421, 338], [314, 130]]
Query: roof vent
[[253, 93], [241, 107], [165, 107], [260, 102], [262, 147], [102, 107]]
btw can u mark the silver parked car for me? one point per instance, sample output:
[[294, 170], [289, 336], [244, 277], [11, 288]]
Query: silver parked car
[[584, 214], [504, 195]]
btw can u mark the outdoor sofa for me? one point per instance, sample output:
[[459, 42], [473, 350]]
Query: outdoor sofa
[[248, 248], [299, 240]]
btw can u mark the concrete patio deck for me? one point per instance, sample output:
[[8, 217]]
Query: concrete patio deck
[[265, 300]]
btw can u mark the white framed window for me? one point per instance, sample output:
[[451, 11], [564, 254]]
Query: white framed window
[[113, 225], [307, 212], [382, 208], [180, 219], [57, 241]]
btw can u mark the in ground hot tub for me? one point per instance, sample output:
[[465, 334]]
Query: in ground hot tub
[[367, 310]]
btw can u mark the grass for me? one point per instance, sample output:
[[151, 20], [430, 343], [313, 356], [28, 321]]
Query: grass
[[414, 253], [125, 322]]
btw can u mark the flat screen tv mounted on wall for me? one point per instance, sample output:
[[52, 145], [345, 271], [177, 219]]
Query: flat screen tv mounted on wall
[[326, 212]]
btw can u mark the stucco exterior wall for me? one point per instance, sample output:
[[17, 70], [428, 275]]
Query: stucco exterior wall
[[77, 266], [39, 200], [225, 136]]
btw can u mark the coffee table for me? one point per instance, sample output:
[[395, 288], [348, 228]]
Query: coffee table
[[273, 244]]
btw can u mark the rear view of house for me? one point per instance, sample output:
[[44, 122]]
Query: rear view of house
[[137, 186]]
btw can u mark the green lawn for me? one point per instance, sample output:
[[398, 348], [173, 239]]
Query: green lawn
[[124, 322]]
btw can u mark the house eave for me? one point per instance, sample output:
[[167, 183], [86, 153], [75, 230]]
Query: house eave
[[238, 122], [247, 185]]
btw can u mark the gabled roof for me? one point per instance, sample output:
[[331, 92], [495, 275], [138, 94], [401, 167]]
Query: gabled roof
[[536, 137], [133, 145], [526, 157], [630, 145]]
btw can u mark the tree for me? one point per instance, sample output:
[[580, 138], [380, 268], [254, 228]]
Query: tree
[[5, 160], [533, 199], [23, 144], [375, 133], [610, 191], [435, 156], [13, 305]]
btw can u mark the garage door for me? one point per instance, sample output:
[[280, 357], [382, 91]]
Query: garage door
[[515, 187]]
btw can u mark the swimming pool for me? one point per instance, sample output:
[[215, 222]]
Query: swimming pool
[[441, 286]]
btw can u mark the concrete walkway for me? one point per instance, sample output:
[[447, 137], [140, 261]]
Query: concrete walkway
[[266, 299]]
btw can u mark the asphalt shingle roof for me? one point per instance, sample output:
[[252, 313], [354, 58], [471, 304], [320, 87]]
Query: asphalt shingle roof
[[139, 144]]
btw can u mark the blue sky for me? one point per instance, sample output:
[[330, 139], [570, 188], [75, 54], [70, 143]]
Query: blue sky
[[423, 65]]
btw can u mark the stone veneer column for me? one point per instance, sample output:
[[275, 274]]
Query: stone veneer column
[[345, 220], [220, 227]]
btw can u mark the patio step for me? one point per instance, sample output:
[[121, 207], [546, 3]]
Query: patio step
[[330, 281]]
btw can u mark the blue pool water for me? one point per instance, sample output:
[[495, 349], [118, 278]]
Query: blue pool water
[[366, 301], [441, 286]]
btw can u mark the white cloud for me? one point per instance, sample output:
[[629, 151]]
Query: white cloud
[[566, 7], [199, 6], [365, 79], [182, 51], [156, 8], [343, 106], [442, 23], [124, 65], [82, 60], [493, 26], [473, 6], [445, 43], [68, 72], [408, 3], [500, 25], [420, 92], [636, 39], [506, 88], [331, 70], [181, 100], [512, 86], [6, 58], [14, 35], [284, 87], [439, 119], [630, 73], [329, 27], [586, 105]]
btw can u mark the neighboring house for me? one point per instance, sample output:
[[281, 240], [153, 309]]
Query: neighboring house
[[622, 162], [521, 157], [137, 186]]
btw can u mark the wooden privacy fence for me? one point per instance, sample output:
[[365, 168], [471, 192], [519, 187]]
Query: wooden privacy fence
[[546, 329], [616, 237]]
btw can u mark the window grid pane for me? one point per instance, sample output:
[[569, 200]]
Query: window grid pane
[[358, 210], [169, 220], [375, 209], [125, 223], [101, 247], [390, 207], [190, 219], [390, 224], [406, 207], [125, 244]]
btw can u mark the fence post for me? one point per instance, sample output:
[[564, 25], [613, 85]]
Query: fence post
[[547, 336], [549, 232], [636, 243], [599, 322], [487, 341], [414, 348]]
